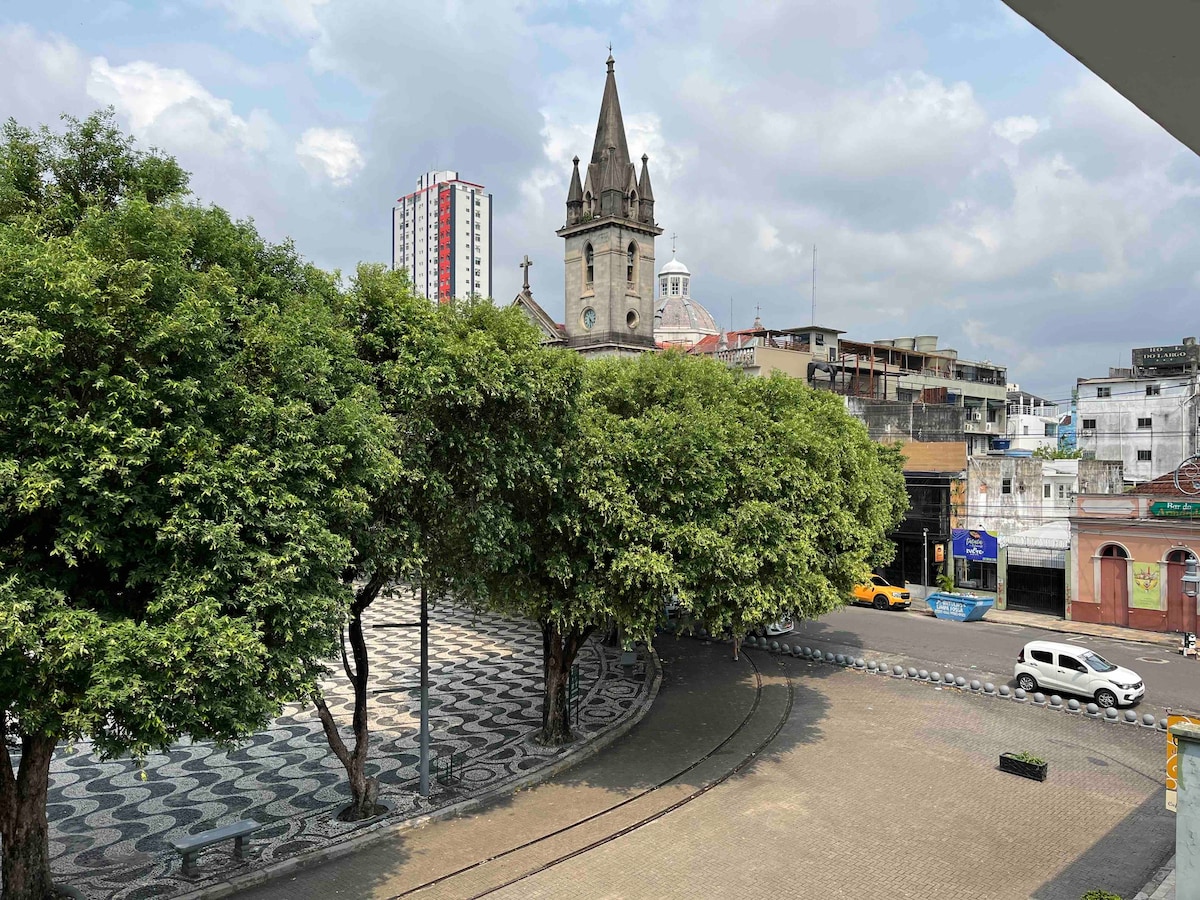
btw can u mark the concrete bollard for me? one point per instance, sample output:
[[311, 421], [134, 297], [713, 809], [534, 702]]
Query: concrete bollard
[[975, 685], [989, 688], [1019, 695], [912, 673], [923, 675], [1073, 705], [1055, 701], [960, 682], [897, 671], [935, 677], [1093, 710], [1005, 690], [860, 663], [1039, 698], [1110, 715]]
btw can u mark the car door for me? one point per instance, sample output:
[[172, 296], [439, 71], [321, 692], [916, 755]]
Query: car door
[[1044, 667], [1074, 676]]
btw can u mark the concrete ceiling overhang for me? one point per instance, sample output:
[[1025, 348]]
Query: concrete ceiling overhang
[[1146, 50]]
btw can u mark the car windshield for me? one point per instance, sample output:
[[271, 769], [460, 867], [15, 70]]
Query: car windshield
[[879, 581], [1097, 663]]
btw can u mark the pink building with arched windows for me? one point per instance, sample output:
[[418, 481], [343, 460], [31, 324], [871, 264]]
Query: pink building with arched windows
[[1128, 553]]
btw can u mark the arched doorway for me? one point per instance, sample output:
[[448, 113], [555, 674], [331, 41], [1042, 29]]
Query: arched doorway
[[1114, 585], [1181, 610]]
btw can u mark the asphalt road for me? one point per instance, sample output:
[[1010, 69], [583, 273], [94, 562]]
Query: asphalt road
[[990, 649]]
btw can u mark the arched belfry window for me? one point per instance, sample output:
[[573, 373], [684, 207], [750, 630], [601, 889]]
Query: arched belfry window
[[1114, 550], [589, 268], [631, 263]]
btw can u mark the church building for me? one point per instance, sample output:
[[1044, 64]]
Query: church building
[[608, 249]]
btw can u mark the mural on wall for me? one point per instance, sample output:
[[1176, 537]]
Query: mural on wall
[[958, 502], [1146, 583]]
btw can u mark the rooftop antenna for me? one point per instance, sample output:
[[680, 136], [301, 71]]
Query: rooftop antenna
[[673, 236], [814, 286]]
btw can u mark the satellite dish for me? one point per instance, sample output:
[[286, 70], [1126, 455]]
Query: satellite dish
[[1187, 476]]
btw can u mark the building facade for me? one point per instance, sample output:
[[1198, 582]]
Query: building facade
[[1147, 416], [609, 243], [442, 237], [1031, 422], [1128, 556]]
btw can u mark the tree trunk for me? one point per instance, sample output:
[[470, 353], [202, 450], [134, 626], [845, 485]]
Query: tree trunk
[[24, 830], [558, 655], [364, 791]]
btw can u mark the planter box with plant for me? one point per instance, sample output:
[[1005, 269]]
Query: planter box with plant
[[1024, 764]]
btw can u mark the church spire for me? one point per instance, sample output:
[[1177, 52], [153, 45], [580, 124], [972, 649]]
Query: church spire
[[645, 194], [610, 130]]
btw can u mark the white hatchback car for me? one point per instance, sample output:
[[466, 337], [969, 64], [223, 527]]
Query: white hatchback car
[[1047, 666]]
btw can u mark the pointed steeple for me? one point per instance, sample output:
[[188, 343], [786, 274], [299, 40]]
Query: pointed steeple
[[574, 196], [610, 130], [645, 211], [644, 191]]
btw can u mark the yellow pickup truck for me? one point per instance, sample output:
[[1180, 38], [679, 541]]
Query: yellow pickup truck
[[881, 595]]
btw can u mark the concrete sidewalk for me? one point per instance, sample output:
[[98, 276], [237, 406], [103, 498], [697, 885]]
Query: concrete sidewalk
[[1066, 626]]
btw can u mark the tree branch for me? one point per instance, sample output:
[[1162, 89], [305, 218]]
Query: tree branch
[[331, 731]]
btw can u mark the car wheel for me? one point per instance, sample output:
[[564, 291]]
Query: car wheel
[[880, 602], [1105, 698], [1027, 682]]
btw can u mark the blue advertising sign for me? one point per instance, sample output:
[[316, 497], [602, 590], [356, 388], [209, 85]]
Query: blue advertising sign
[[975, 545]]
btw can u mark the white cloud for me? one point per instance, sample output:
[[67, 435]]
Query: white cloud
[[330, 152], [293, 17], [1016, 129], [171, 107]]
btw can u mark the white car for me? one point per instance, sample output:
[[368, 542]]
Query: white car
[[783, 626], [1071, 669]]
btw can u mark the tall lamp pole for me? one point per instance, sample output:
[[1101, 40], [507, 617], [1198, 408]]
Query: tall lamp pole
[[925, 560]]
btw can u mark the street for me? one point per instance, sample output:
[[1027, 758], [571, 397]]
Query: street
[[989, 649]]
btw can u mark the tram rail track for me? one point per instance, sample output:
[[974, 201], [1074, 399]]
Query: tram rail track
[[746, 760]]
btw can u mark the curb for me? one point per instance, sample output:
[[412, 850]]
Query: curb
[[373, 833], [1057, 629], [959, 684]]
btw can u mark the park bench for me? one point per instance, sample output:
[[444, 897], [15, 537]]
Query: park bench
[[191, 844]]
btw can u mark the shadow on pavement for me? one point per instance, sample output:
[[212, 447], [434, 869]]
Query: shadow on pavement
[[1121, 861]]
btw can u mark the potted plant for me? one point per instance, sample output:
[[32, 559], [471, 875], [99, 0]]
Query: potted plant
[[1025, 764]]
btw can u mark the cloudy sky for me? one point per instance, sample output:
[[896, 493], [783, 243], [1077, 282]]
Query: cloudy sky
[[959, 174]]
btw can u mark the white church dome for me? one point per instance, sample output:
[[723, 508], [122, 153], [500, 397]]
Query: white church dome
[[678, 319], [674, 267]]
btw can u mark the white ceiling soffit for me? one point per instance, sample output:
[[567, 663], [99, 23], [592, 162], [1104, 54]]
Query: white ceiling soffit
[[1145, 50]]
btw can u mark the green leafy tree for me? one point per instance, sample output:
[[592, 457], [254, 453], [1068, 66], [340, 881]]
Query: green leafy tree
[[1057, 453], [477, 406], [184, 435], [749, 499]]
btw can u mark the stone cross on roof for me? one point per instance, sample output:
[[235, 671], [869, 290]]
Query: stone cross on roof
[[524, 266]]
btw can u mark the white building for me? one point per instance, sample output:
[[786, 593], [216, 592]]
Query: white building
[[442, 236], [680, 321], [1147, 416], [1032, 423]]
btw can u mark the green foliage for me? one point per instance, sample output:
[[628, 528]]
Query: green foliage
[[1026, 756], [183, 438], [1098, 894], [748, 498], [1056, 453], [945, 583]]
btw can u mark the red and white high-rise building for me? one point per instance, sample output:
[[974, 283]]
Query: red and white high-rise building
[[442, 236]]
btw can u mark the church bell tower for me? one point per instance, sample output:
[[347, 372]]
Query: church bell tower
[[609, 237]]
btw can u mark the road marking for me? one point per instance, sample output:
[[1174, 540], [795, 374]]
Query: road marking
[[1079, 638], [1153, 659]]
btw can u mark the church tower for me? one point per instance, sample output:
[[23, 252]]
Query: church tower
[[609, 237]]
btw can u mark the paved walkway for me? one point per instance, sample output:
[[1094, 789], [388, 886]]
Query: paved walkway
[[778, 776], [1066, 626], [110, 820]]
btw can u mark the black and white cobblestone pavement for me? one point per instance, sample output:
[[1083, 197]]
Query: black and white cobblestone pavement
[[110, 820]]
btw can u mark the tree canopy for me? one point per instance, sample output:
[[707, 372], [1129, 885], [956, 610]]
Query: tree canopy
[[184, 437], [748, 498]]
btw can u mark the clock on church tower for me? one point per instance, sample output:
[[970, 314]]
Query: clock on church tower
[[609, 243]]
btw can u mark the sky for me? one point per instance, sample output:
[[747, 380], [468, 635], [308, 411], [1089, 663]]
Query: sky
[[959, 174]]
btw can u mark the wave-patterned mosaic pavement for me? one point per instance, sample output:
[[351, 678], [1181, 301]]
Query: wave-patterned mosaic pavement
[[110, 821]]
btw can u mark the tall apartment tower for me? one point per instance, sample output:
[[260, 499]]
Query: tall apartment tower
[[442, 236], [609, 237]]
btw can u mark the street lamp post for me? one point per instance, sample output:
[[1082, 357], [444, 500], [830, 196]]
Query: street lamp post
[[925, 560]]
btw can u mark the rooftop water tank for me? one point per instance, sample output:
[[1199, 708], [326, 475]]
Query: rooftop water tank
[[905, 343], [925, 343], [1020, 454]]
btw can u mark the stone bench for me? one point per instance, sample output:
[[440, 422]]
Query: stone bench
[[191, 844]]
